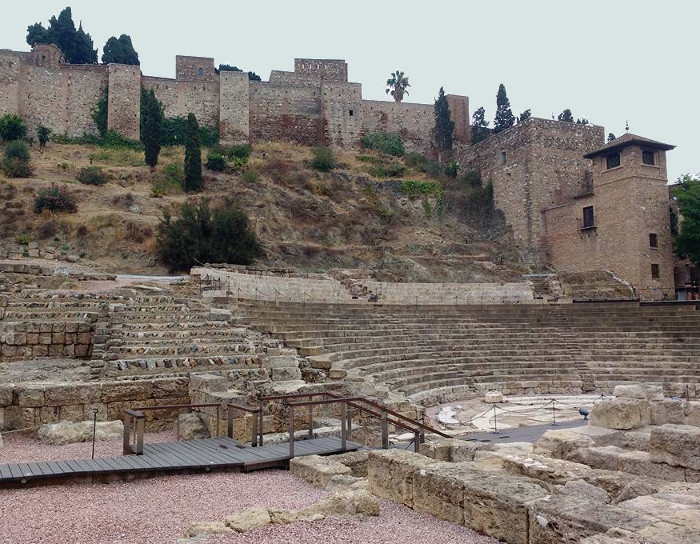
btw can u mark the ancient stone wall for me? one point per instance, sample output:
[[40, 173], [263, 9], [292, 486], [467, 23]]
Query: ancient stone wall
[[294, 79], [459, 109], [323, 69], [195, 69], [285, 113], [414, 122], [124, 109], [234, 100], [533, 166], [29, 340], [9, 82], [180, 98], [342, 110]]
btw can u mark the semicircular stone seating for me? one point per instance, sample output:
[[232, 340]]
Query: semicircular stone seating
[[437, 353]]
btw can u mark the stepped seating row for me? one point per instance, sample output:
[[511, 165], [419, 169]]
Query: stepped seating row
[[430, 353]]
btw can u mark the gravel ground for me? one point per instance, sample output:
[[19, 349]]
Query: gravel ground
[[158, 510]]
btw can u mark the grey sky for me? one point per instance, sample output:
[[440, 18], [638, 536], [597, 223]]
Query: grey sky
[[607, 61]]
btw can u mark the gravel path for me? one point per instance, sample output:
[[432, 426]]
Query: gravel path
[[158, 510]]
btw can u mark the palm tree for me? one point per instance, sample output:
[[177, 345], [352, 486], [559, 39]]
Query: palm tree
[[397, 85]]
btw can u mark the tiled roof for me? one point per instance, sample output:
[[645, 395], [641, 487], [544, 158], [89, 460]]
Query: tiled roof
[[627, 140]]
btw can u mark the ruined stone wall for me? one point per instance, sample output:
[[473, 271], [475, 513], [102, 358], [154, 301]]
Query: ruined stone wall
[[533, 166], [342, 110], [180, 98], [124, 109], [325, 69], [9, 82], [285, 113], [414, 122], [234, 100]]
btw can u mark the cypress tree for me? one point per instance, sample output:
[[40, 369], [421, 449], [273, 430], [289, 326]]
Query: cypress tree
[[504, 116], [151, 126], [193, 156], [444, 125]]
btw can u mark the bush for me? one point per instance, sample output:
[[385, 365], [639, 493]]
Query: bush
[[250, 176], [15, 163], [43, 133], [174, 132], [47, 229], [12, 128], [215, 162], [385, 142], [387, 170], [414, 160], [472, 179], [415, 188], [199, 234], [92, 175], [55, 199], [323, 160], [451, 169]]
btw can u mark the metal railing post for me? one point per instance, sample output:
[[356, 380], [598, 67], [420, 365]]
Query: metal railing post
[[384, 425], [140, 427], [218, 421], [311, 417], [291, 432], [126, 448], [349, 428], [229, 421], [261, 423], [343, 426], [254, 434], [416, 441]]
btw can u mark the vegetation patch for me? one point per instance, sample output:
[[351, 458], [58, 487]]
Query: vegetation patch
[[323, 159], [55, 199], [15, 162], [92, 175], [386, 142]]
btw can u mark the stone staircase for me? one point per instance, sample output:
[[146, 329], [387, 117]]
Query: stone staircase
[[431, 354]]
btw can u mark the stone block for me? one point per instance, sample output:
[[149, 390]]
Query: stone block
[[439, 491], [82, 350], [55, 350], [356, 461], [317, 470], [84, 338], [562, 444], [40, 350], [28, 396], [390, 474], [83, 393], [66, 432], [493, 396], [639, 462], [621, 413], [692, 413], [218, 314], [191, 426], [32, 338], [248, 519], [45, 338], [677, 445], [630, 391], [667, 411], [6, 394], [74, 412], [170, 387], [451, 449], [58, 338], [126, 391], [208, 382]]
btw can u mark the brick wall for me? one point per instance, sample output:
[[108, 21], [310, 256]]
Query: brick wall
[[124, 110]]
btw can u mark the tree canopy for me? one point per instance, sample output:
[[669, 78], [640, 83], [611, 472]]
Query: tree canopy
[[252, 76], [566, 116], [504, 115], [480, 126], [687, 195], [444, 125], [76, 45], [120, 51], [193, 156], [397, 85], [151, 126]]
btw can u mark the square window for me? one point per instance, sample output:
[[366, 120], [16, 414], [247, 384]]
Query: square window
[[653, 240], [352, 112], [612, 161], [648, 157], [588, 217], [655, 272]]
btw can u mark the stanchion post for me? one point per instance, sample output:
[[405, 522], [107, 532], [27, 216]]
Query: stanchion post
[[291, 432]]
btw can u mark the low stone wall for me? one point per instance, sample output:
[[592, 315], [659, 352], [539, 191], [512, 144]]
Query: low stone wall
[[33, 404], [29, 340]]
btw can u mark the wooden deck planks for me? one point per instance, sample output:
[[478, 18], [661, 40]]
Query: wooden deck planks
[[219, 452]]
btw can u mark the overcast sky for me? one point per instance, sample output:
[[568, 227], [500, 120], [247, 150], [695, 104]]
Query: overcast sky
[[609, 61]]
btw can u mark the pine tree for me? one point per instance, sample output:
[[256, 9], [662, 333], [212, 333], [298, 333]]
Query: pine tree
[[120, 50], [480, 126], [151, 126], [444, 125], [566, 116], [524, 116], [76, 45], [193, 156], [504, 116]]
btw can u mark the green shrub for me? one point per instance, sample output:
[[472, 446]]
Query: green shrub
[[433, 168], [323, 160], [241, 151], [370, 159], [47, 229], [385, 142], [387, 170], [451, 169], [250, 176], [24, 239], [174, 132], [416, 188], [92, 175], [215, 162], [12, 128], [15, 163], [171, 181], [55, 199], [472, 179], [414, 160], [43, 133], [199, 234]]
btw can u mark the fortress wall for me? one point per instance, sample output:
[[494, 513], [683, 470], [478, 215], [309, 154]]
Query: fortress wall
[[325, 69], [459, 108], [234, 100], [179, 98], [125, 100], [43, 97], [195, 69], [84, 88], [286, 114], [414, 122], [294, 79], [342, 112], [9, 82]]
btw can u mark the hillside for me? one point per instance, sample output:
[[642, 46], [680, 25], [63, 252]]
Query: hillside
[[398, 229]]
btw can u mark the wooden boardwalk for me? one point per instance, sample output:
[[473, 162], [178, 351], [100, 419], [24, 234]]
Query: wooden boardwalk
[[168, 457]]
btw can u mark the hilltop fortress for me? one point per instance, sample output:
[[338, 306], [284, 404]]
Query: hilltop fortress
[[571, 200]]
